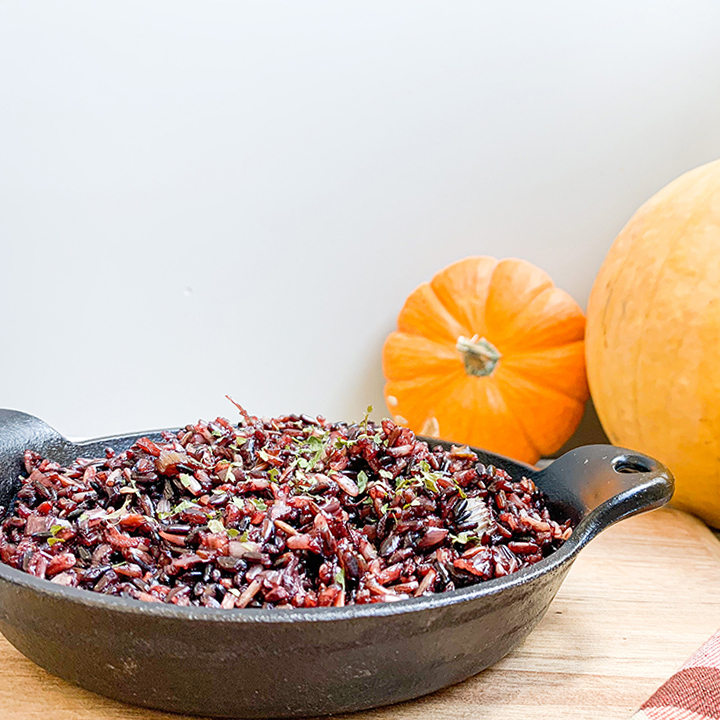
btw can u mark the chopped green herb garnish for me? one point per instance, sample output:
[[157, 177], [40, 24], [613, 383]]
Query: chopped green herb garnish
[[180, 507], [362, 481], [463, 538], [55, 529], [428, 477], [315, 445], [404, 482], [364, 421], [215, 526], [184, 505], [339, 578]]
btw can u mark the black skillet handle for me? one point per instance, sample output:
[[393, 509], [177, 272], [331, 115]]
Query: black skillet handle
[[19, 432], [601, 484]]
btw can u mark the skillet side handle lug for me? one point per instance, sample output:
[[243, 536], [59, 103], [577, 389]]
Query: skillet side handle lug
[[19, 432], [609, 483]]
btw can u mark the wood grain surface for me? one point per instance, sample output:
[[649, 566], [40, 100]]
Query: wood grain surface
[[637, 602]]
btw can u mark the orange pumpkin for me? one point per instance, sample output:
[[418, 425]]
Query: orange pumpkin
[[489, 353]]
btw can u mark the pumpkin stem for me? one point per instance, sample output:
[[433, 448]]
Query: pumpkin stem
[[479, 354]]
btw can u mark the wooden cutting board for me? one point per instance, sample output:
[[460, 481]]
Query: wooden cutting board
[[637, 602]]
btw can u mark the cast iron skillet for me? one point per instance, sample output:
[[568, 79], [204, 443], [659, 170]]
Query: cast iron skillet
[[285, 663]]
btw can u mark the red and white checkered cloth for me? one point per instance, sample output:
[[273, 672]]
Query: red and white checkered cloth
[[692, 693]]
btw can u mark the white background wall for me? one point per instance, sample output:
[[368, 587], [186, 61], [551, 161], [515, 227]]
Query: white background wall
[[201, 198]]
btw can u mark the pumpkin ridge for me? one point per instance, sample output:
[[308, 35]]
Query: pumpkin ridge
[[511, 366], [472, 427], [542, 446], [433, 390], [553, 318], [432, 321], [428, 356], [450, 289], [542, 388], [610, 289], [440, 412], [460, 321], [419, 379], [519, 422], [428, 375], [543, 350], [659, 278], [546, 285]]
